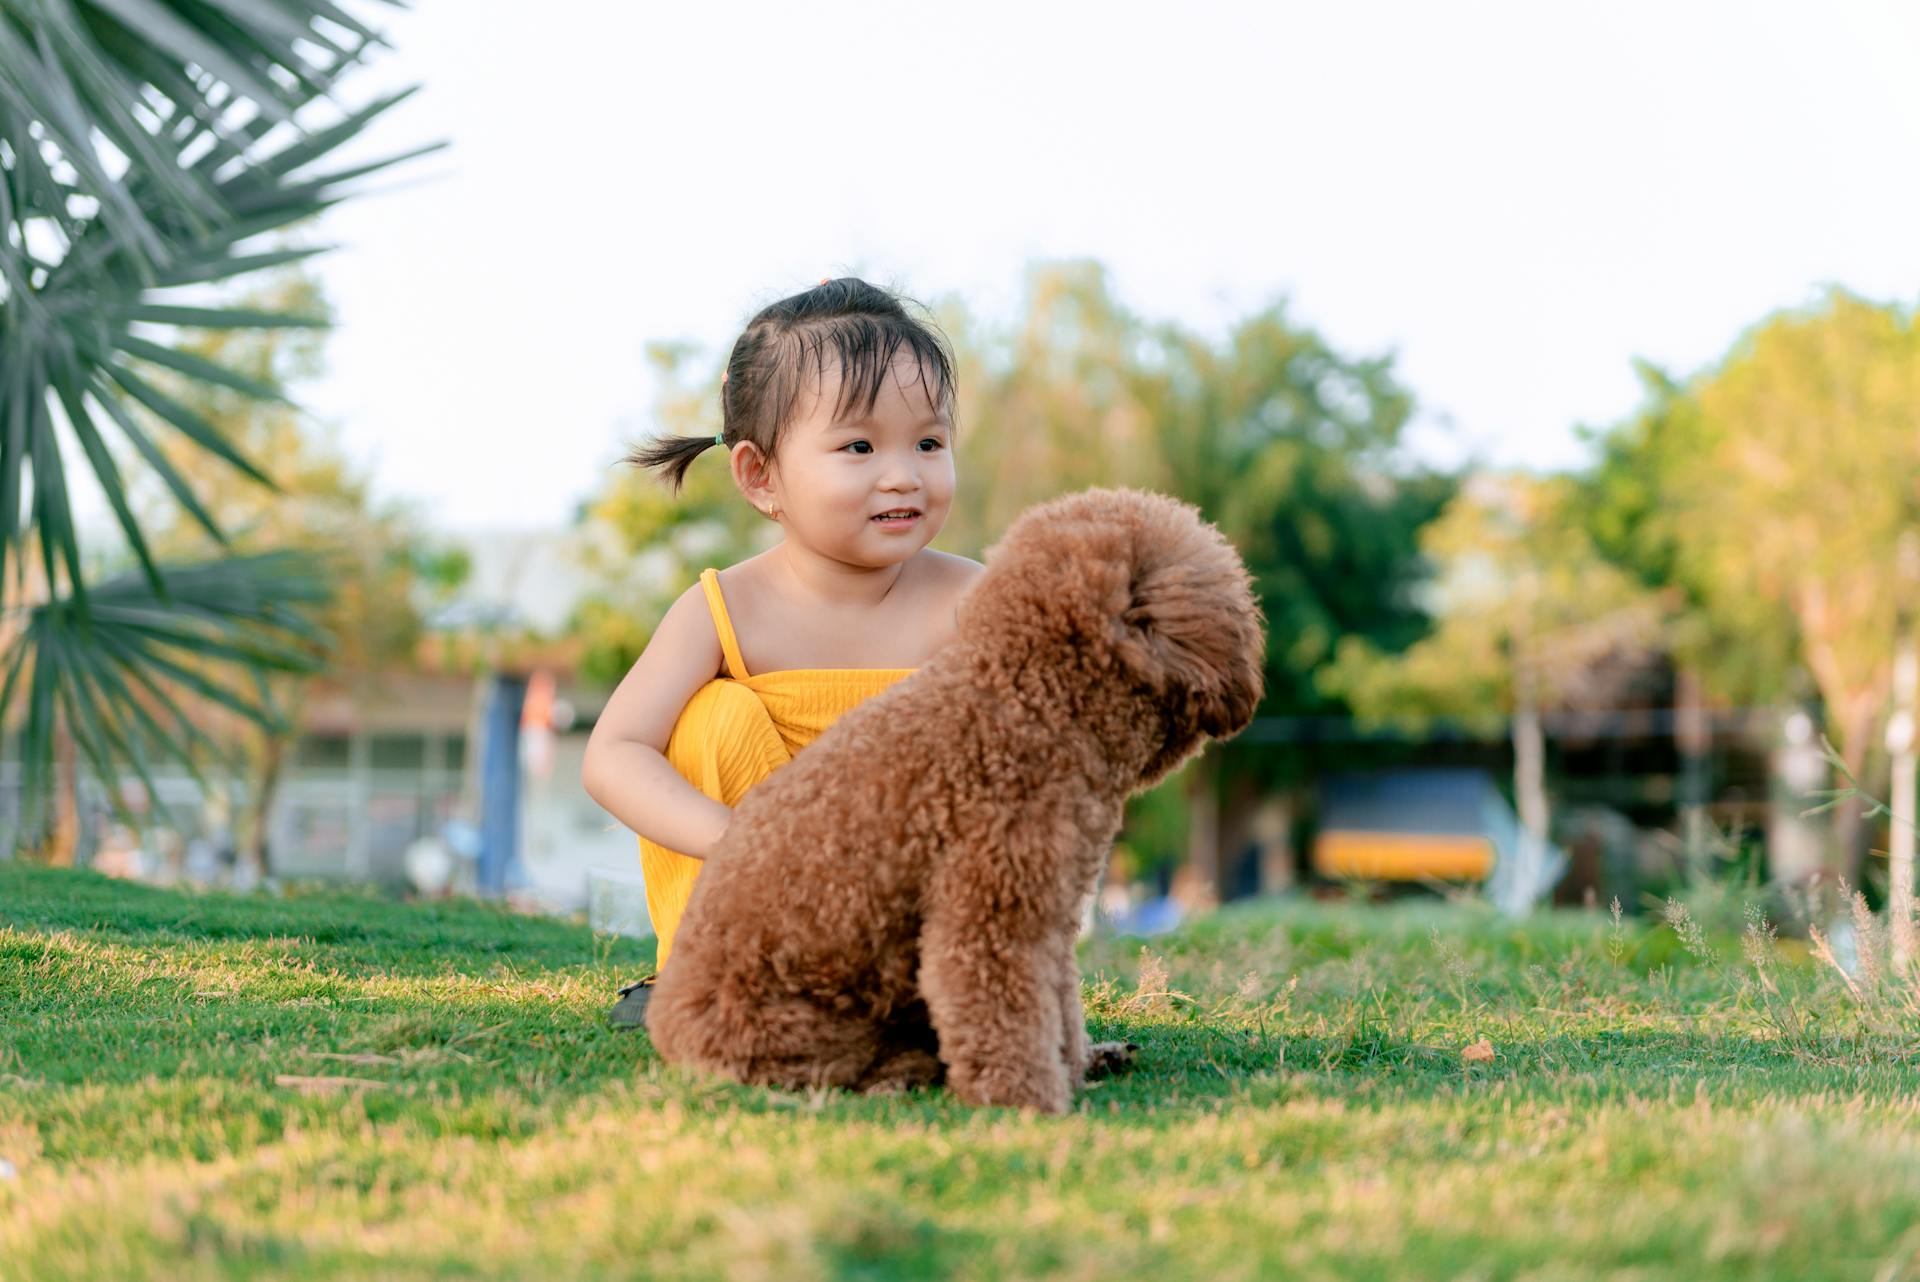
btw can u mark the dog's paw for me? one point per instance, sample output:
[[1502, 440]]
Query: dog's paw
[[903, 1072], [1104, 1059]]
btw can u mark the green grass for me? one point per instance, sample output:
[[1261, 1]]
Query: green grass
[[1301, 1109]]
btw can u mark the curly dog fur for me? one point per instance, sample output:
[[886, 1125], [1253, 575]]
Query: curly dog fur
[[899, 904]]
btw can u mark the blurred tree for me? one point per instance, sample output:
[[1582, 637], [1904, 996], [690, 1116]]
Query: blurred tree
[[1530, 618], [1775, 488], [1290, 447], [1058, 401], [142, 149], [1742, 650], [383, 567], [1746, 647]]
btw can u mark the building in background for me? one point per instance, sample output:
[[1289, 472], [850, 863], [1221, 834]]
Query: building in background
[[385, 761]]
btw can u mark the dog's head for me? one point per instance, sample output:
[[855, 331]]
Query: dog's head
[[1134, 589]]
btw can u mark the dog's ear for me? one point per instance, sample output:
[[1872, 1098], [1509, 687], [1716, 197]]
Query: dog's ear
[[1193, 637], [1137, 581], [1207, 708]]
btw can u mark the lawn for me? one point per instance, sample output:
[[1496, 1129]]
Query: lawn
[[332, 1086]]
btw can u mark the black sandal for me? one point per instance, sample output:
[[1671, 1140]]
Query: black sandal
[[631, 1010]]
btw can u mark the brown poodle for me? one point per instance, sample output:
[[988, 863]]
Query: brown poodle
[[900, 902]]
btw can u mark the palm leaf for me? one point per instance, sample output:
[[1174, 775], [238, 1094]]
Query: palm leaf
[[171, 219], [143, 145], [113, 667]]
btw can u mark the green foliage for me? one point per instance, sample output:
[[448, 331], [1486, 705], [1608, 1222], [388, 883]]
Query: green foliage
[[384, 564], [1776, 490], [1745, 646], [1289, 446], [1774, 487], [125, 671], [1522, 598], [1154, 834], [331, 1086], [144, 147]]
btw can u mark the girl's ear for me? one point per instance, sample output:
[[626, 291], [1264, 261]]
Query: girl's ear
[[753, 473]]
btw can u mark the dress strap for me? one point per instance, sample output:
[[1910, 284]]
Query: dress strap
[[717, 606]]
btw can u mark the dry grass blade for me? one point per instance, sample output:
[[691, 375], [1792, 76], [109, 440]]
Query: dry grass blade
[[1824, 952], [1153, 995]]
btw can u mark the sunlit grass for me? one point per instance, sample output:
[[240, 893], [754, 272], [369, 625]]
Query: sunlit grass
[[333, 1086]]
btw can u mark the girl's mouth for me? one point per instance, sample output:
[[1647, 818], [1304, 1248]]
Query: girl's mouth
[[899, 520]]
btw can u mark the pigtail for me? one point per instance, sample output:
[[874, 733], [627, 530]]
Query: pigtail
[[669, 457]]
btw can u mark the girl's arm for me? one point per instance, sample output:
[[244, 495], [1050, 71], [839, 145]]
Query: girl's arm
[[625, 768]]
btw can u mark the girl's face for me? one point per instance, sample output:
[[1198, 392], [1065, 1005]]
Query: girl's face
[[830, 480]]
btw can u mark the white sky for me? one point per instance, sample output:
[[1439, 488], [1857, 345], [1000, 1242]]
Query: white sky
[[1517, 198]]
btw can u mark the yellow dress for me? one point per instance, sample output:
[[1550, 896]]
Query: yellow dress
[[735, 731]]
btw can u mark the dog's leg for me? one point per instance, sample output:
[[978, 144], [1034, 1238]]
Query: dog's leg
[[804, 1045], [1085, 1061], [791, 1043], [903, 1070], [996, 1007], [1073, 1016]]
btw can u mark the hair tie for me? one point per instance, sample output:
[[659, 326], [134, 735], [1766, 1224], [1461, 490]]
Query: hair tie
[[720, 437]]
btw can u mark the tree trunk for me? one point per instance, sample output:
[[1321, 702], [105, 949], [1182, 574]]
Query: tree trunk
[[1529, 792], [1849, 824], [61, 836], [270, 771], [1692, 737], [1273, 829], [1900, 843], [256, 816], [1901, 728], [1523, 887], [1854, 697], [1203, 829], [1796, 770], [1239, 812]]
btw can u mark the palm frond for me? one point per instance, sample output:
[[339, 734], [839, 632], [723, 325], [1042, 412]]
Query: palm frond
[[87, 256], [144, 145], [132, 673]]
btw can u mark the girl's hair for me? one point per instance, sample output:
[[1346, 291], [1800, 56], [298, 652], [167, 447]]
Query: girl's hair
[[861, 326]]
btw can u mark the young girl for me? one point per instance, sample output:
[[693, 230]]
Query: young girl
[[837, 413]]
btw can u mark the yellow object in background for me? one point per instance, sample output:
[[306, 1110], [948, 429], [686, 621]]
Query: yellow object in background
[[1402, 856]]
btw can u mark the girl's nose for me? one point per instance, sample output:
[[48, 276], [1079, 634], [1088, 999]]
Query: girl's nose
[[901, 473]]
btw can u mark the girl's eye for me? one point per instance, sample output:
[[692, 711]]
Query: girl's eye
[[927, 440]]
